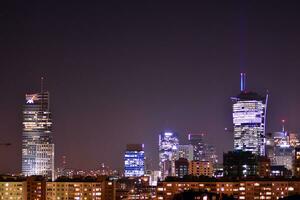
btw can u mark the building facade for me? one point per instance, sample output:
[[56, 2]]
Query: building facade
[[134, 160], [13, 190], [168, 145], [37, 143], [240, 164], [297, 162], [181, 167], [185, 151], [249, 121], [201, 168], [280, 150], [197, 141], [244, 190], [202, 150]]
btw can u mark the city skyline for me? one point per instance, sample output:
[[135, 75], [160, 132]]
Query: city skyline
[[112, 74]]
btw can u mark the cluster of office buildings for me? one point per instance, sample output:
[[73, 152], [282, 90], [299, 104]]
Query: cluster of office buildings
[[174, 159]]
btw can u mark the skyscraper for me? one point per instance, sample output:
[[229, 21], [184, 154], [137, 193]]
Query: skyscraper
[[37, 144], [279, 150], [196, 140], [249, 120], [297, 162], [168, 145], [134, 160], [202, 150], [185, 151]]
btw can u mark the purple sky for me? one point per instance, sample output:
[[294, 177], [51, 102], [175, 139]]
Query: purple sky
[[123, 72]]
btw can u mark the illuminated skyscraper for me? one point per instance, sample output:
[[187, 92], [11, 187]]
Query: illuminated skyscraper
[[168, 145], [198, 144], [37, 144], [279, 149], [134, 159], [249, 120]]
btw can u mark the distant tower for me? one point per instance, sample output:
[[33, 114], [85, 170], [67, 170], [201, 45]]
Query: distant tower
[[198, 144], [134, 160], [249, 120], [37, 143], [64, 162], [168, 145]]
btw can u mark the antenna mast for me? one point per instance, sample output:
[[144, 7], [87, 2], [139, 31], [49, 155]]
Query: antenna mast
[[243, 82]]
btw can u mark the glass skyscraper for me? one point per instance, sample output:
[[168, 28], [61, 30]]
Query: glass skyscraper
[[197, 141], [202, 150], [37, 143], [249, 120], [168, 145], [134, 160]]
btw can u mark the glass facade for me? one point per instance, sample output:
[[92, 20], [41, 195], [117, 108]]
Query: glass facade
[[134, 159], [168, 145], [249, 113], [202, 150], [37, 143], [279, 150], [198, 144], [185, 151]]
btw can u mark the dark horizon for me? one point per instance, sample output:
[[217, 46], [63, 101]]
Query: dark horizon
[[120, 73]]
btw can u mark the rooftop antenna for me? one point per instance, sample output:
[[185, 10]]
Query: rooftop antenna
[[42, 85], [42, 95], [243, 82]]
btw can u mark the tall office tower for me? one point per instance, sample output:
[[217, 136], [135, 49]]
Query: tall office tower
[[168, 145], [249, 120], [198, 144], [185, 151], [279, 150], [210, 154], [134, 159], [37, 144], [297, 162]]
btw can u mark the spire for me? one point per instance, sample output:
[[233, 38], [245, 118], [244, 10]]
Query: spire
[[283, 128], [243, 82], [42, 85]]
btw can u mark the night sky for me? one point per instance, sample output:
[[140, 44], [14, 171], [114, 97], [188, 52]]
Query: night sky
[[123, 72]]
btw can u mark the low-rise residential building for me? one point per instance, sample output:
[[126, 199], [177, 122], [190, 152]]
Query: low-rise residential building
[[243, 189]]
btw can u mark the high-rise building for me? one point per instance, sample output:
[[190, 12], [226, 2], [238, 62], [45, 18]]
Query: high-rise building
[[249, 120], [168, 145], [279, 150], [37, 144], [202, 150], [210, 154], [240, 164], [297, 162], [283, 155], [198, 144], [134, 159], [185, 151], [181, 167]]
